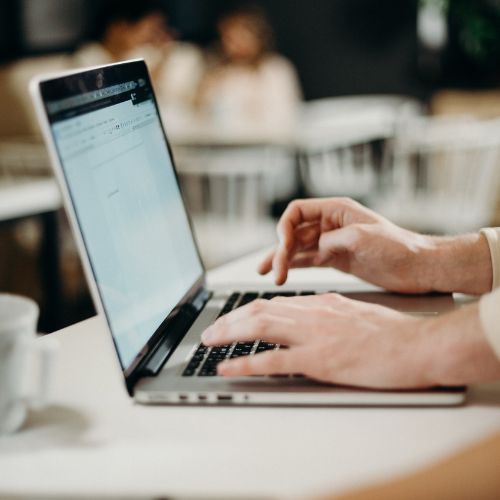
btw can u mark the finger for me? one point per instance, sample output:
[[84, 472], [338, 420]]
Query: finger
[[255, 308], [267, 263], [267, 327], [305, 237], [303, 259], [261, 319], [280, 266], [312, 259], [282, 362], [334, 300], [338, 241], [296, 213]]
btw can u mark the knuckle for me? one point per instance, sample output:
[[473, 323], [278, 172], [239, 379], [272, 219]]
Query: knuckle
[[260, 324], [294, 204], [333, 297], [221, 321], [346, 201], [278, 299], [358, 233], [353, 203], [256, 306]]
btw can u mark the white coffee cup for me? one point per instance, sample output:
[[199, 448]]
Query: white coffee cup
[[19, 350]]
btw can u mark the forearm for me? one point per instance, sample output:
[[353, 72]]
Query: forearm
[[454, 349], [456, 264]]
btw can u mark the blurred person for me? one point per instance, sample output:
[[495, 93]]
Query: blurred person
[[246, 84], [128, 29], [134, 29]]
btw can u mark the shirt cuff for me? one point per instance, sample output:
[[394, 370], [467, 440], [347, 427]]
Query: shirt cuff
[[493, 237], [489, 313]]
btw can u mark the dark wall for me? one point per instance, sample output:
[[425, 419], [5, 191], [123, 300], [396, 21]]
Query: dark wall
[[350, 46], [338, 46]]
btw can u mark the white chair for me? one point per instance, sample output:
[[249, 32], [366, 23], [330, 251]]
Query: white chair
[[343, 142], [26, 184], [23, 157], [228, 190], [444, 177]]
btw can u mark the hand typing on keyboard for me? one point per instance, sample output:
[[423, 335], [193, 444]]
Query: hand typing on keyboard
[[330, 338], [204, 360]]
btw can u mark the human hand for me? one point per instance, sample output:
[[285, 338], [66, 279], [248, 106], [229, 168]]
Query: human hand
[[330, 338], [341, 233], [334, 339]]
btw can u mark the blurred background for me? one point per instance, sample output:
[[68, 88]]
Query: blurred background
[[395, 103]]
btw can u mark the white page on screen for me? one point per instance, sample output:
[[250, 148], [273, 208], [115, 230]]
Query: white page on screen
[[129, 207]]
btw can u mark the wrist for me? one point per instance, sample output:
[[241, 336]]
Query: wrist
[[457, 264], [454, 349]]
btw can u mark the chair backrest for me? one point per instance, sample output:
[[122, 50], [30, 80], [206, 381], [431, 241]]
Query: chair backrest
[[23, 158], [342, 142], [445, 174], [229, 190], [239, 181]]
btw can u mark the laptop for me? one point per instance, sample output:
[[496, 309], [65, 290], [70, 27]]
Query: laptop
[[116, 171]]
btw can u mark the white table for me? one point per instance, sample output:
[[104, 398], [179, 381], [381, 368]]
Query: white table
[[39, 197], [95, 441], [25, 198]]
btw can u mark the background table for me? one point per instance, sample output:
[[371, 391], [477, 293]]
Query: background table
[[39, 198], [95, 441]]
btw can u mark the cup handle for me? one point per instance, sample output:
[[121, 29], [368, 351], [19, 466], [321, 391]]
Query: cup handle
[[46, 352]]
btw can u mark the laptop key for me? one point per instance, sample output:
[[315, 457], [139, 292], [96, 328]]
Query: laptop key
[[271, 295], [230, 304], [205, 359], [247, 298], [265, 346]]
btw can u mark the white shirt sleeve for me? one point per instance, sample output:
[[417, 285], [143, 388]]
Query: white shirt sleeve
[[489, 306]]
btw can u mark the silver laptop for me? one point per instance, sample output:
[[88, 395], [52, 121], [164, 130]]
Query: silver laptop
[[116, 171]]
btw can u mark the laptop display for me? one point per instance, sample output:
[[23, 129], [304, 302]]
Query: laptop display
[[122, 183]]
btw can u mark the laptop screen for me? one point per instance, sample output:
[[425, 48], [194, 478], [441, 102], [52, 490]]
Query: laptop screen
[[126, 197]]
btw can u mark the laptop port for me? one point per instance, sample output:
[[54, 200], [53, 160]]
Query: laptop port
[[202, 397], [183, 397], [224, 397]]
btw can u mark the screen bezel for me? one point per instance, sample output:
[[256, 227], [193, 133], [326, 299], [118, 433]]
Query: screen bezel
[[77, 83]]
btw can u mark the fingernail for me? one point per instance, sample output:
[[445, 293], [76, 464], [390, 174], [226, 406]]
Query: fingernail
[[207, 335]]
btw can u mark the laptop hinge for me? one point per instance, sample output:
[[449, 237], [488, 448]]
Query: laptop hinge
[[177, 329], [176, 332], [199, 300]]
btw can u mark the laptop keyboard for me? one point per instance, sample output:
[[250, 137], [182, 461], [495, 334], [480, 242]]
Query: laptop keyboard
[[204, 361]]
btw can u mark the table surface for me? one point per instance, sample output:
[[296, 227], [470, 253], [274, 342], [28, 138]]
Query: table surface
[[93, 440], [26, 197]]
